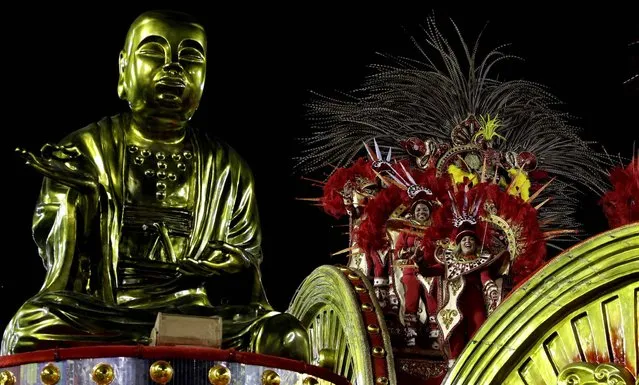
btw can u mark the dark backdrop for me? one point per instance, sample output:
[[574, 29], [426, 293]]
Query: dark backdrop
[[60, 73]]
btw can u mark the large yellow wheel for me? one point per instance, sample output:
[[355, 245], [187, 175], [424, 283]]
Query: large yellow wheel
[[576, 321], [346, 327]]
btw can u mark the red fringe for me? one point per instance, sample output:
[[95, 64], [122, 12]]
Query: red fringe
[[621, 203]]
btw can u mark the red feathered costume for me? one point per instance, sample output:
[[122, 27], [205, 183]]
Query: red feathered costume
[[408, 249], [397, 210], [621, 204], [347, 192], [338, 197], [483, 241], [371, 235]]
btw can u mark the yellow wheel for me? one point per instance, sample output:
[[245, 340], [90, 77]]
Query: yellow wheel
[[574, 321], [338, 307]]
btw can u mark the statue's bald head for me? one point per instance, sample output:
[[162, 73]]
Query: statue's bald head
[[169, 17], [163, 65]]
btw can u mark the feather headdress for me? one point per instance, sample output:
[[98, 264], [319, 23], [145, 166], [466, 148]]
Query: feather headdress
[[455, 103]]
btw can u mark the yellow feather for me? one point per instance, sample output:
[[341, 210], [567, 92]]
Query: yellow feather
[[520, 185], [458, 175]]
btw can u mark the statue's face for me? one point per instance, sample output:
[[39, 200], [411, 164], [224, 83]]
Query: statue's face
[[162, 68], [422, 212], [468, 244]]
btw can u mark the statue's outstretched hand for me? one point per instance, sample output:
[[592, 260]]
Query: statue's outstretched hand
[[64, 164]]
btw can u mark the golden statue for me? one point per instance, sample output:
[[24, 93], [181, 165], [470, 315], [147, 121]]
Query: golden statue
[[140, 213]]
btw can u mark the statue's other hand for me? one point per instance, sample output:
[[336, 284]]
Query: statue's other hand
[[218, 258], [193, 267], [234, 252], [202, 268]]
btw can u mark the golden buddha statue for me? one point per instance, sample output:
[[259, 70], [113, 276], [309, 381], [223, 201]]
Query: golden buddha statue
[[141, 213]]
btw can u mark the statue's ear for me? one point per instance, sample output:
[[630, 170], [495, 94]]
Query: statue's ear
[[122, 63]]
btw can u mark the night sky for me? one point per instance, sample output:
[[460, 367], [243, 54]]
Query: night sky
[[263, 63]]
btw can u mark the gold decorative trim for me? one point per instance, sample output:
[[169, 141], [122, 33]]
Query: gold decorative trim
[[448, 315], [421, 368], [594, 374], [270, 377]]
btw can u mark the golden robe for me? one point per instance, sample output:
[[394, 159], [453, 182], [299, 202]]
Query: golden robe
[[97, 290]]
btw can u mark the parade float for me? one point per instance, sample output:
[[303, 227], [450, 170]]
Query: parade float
[[463, 262]]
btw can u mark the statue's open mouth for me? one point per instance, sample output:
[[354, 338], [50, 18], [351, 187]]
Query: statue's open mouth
[[170, 91], [170, 86]]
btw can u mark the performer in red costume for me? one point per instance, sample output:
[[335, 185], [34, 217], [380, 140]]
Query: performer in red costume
[[473, 248], [408, 252], [374, 239], [406, 225], [470, 284], [347, 192]]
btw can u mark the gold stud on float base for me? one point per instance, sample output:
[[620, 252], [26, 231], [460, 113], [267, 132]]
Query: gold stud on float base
[[381, 381], [161, 372], [270, 377], [103, 374], [367, 307], [7, 378], [310, 381], [378, 351], [219, 375], [50, 374], [326, 358]]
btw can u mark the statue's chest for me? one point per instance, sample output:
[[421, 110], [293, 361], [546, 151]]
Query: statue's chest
[[159, 175], [159, 189]]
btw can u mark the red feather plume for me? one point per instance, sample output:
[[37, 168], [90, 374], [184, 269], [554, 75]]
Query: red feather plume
[[371, 233], [621, 203], [332, 201], [530, 240]]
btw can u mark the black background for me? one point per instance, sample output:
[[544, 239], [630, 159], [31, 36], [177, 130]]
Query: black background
[[60, 73]]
